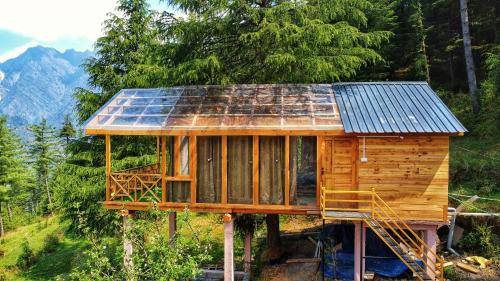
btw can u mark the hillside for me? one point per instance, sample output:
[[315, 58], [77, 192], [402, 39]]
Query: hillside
[[39, 84]]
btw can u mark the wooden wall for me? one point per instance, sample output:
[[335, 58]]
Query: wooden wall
[[411, 174]]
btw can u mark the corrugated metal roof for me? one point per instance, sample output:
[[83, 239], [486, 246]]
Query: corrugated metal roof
[[393, 107]]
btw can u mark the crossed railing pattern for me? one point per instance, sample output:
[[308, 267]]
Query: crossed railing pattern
[[374, 208], [136, 185]]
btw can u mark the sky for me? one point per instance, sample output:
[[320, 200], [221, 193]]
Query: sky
[[61, 24]]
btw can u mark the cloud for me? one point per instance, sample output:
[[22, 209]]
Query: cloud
[[17, 51], [51, 20]]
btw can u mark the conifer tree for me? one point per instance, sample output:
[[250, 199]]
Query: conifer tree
[[44, 154], [67, 130], [248, 41], [13, 175]]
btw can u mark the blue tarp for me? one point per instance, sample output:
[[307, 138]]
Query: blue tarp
[[387, 267]]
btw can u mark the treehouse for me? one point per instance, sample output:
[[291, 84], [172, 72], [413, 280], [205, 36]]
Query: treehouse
[[372, 153]]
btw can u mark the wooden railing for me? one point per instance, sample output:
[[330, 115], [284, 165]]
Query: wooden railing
[[142, 184], [370, 206]]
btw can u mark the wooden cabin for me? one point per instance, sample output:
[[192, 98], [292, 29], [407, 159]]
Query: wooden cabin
[[347, 151]]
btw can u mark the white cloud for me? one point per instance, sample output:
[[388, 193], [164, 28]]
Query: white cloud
[[50, 20], [17, 51]]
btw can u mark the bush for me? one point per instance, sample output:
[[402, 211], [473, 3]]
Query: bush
[[27, 257], [50, 243], [481, 240]]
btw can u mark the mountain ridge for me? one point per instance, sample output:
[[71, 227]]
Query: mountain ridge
[[40, 83]]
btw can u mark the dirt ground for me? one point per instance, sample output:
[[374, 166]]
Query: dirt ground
[[301, 247]]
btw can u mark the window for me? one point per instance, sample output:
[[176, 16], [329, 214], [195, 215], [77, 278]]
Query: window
[[240, 169], [271, 170], [208, 172], [303, 166], [179, 184]]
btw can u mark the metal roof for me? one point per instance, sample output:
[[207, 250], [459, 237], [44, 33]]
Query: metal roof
[[393, 107]]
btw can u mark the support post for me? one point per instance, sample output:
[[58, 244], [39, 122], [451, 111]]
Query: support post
[[163, 169], [430, 237], [228, 248], [172, 225], [357, 251], [128, 263], [248, 253], [363, 250], [108, 167]]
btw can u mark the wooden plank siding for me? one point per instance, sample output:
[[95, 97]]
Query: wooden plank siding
[[232, 173], [339, 169], [410, 174]]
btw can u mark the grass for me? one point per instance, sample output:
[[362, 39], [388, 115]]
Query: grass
[[474, 171], [48, 265]]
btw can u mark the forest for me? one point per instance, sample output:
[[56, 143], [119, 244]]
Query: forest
[[52, 224]]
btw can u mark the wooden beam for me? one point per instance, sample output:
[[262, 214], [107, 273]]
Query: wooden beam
[[163, 169], [108, 167], [255, 175], [192, 167], [354, 167], [224, 170], [287, 170], [177, 155], [158, 150], [319, 142]]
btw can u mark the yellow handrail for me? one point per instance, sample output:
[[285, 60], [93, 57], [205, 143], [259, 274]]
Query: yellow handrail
[[379, 210]]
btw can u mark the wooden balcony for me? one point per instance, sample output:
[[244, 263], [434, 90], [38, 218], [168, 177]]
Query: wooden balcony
[[142, 184]]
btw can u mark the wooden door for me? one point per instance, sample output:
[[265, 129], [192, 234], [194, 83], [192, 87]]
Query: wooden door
[[338, 169]]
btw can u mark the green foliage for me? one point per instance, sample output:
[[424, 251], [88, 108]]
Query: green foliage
[[44, 153], [271, 41], [481, 240], [155, 257], [50, 243], [452, 274], [67, 130], [247, 223], [27, 257]]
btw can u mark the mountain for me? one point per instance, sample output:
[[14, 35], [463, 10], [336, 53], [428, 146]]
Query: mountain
[[40, 84]]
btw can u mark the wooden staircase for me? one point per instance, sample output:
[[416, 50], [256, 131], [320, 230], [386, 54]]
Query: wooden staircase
[[420, 258]]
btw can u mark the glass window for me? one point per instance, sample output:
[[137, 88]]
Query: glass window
[[240, 169], [271, 170], [208, 170], [303, 165]]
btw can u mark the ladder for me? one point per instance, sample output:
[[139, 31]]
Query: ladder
[[406, 244]]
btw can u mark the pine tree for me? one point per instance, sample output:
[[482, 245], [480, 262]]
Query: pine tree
[[224, 42], [68, 130], [44, 154], [13, 174]]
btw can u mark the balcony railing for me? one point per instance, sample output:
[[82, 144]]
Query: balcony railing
[[142, 184]]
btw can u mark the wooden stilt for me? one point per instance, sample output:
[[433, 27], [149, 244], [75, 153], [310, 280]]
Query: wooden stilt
[[248, 253], [228, 248], [172, 225], [128, 263], [430, 237], [357, 251]]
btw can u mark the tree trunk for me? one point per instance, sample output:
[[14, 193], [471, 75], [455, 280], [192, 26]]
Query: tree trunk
[[248, 253], [49, 198], [2, 232], [9, 211], [273, 231], [469, 61], [308, 153]]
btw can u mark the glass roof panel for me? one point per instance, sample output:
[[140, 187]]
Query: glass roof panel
[[247, 107]]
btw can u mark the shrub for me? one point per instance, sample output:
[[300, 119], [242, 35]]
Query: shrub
[[27, 257], [50, 243], [481, 240]]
